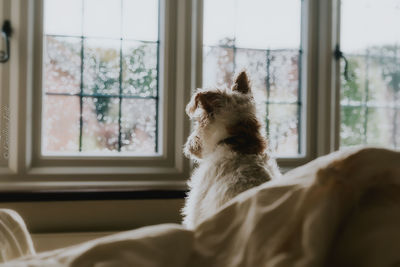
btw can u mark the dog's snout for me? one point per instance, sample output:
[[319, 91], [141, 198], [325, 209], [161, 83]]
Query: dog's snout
[[190, 108]]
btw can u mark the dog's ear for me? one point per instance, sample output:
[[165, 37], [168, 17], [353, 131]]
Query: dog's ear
[[242, 83], [210, 101]]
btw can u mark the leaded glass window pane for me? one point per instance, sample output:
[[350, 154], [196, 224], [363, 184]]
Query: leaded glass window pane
[[100, 76], [263, 37], [370, 97]]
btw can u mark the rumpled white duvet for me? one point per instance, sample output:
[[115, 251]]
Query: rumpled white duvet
[[339, 210]]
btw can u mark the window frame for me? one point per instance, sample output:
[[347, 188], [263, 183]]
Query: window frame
[[328, 100], [309, 28], [4, 106], [25, 170], [337, 83]]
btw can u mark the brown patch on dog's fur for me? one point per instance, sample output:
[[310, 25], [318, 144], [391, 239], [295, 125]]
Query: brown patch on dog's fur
[[242, 83], [209, 100], [191, 107], [195, 147], [246, 137]]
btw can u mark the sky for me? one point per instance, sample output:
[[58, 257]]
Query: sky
[[273, 24], [263, 24], [133, 19], [369, 22]]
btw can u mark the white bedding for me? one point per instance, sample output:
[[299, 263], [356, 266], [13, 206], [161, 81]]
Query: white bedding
[[15, 240], [339, 210]]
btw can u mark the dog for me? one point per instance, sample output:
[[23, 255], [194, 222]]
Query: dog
[[228, 146]]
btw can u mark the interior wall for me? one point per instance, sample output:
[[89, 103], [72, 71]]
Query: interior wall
[[51, 241], [96, 216]]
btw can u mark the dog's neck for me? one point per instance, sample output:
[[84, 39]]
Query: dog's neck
[[244, 144], [242, 137], [227, 140]]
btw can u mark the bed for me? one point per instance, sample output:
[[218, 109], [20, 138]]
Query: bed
[[342, 209]]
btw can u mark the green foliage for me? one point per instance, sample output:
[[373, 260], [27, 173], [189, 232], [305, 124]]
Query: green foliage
[[103, 82], [390, 61], [375, 80], [352, 92], [137, 75], [352, 89]]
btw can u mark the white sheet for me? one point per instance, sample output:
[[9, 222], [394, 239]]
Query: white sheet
[[15, 240], [339, 210]]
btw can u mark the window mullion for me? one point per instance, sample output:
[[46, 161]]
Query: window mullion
[[336, 75], [197, 43], [309, 83], [328, 73]]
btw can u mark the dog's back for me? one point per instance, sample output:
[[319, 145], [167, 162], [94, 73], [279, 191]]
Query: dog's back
[[229, 147], [221, 177]]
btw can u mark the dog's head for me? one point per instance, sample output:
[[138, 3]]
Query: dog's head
[[224, 116]]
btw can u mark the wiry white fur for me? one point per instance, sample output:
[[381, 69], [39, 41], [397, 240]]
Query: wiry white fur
[[222, 172]]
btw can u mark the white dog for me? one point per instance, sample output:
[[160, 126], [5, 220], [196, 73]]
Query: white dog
[[229, 147]]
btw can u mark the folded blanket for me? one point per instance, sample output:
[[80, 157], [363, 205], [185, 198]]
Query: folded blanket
[[339, 210], [15, 240]]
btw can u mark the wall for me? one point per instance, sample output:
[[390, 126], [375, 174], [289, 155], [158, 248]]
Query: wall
[[60, 223]]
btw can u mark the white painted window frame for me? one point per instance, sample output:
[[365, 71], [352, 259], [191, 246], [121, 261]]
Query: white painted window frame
[[26, 169], [328, 93], [309, 34], [181, 73], [320, 80]]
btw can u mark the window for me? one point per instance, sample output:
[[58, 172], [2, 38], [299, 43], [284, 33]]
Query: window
[[95, 90], [247, 38], [100, 77], [370, 97]]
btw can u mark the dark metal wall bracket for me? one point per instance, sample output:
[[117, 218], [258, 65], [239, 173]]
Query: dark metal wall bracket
[[339, 55], [6, 32]]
